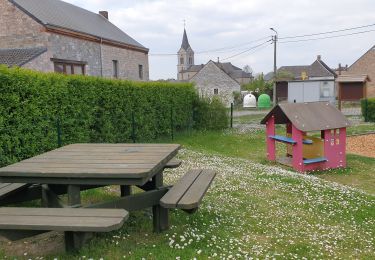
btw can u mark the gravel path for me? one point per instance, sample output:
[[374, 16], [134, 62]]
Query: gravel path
[[362, 145]]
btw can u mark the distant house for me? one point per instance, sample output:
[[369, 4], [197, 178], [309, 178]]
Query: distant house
[[357, 81], [54, 36], [212, 80], [306, 83]]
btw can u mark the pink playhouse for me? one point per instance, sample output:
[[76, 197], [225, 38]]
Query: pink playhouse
[[315, 135]]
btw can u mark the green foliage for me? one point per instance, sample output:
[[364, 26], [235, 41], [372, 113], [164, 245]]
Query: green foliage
[[210, 114], [237, 98], [89, 109], [259, 86], [284, 75], [368, 109]]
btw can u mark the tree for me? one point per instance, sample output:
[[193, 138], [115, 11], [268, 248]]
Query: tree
[[248, 69], [259, 86]]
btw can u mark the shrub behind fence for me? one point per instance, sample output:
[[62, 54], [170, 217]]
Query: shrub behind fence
[[35, 106], [368, 109]]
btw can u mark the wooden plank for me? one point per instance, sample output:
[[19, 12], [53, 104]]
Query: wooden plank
[[314, 160], [62, 219], [10, 188], [194, 195], [74, 172], [146, 145], [80, 165], [87, 180], [63, 212], [173, 196], [58, 223], [92, 160]]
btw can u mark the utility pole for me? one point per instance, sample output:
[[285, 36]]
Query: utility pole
[[274, 40]]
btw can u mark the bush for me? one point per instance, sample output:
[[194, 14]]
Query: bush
[[368, 109], [210, 114], [88, 109]]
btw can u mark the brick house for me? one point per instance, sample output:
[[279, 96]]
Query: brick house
[[211, 80], [357, 80], [55, 36]]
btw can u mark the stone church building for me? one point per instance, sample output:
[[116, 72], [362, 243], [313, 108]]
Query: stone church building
[[55, 36], [211, 79]]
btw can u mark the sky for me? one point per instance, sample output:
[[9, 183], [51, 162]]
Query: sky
[[222, 28]]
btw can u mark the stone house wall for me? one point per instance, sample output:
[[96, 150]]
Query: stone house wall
[[18, 30], [366, 65], [128, 63], [211, 77]]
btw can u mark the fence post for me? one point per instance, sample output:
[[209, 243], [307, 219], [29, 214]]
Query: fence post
[[231, 115], [133, 126], [58, 130], [172, 124]]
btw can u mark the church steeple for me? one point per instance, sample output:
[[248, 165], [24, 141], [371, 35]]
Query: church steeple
[[185, 57], [185, 41]]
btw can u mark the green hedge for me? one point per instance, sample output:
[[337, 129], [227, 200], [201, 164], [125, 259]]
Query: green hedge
[[88, 109], [368, 109], [211, 114]]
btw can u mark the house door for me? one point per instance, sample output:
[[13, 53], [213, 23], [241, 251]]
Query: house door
[[295, 92], [311, 91]]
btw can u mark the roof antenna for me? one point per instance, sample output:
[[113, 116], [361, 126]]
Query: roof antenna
[[184, 24]]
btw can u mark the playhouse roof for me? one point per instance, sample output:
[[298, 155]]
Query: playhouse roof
[[307, 117]]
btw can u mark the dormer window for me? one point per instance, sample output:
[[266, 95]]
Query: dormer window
[[181, 60]]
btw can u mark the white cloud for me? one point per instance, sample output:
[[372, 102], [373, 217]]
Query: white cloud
[[213, 24]]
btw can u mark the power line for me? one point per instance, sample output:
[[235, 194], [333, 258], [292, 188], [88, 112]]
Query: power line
[[329, 32], [252, 48], [233, 47], [223, 49], [328, 37]]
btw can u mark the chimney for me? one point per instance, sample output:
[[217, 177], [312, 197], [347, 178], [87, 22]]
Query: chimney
[[104, 14], [319, 58], [340, 68]]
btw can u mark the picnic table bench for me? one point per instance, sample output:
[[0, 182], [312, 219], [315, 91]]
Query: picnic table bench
[[77, 223], [188, 192]]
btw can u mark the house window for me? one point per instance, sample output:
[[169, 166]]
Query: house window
[[181, 60], [115, 68], [216, 91], [326, 90], [190, 60], [69, 67], [140, 71]]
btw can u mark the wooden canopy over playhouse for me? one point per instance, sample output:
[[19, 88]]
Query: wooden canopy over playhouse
[[304, 152]]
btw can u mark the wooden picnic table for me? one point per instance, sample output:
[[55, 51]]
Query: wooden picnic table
[[75, 167]]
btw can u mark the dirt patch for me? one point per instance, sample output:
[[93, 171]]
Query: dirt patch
[[40, 245], [362, 145]]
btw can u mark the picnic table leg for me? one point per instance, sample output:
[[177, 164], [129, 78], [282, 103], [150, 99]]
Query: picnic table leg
[[75, 240], [125, 190], [160, 214], [74, 195], [49, 197]]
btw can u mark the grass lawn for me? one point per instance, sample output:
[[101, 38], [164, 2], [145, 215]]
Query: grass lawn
[[253, 209]]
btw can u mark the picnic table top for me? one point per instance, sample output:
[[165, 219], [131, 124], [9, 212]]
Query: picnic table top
[[92, 164]]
